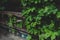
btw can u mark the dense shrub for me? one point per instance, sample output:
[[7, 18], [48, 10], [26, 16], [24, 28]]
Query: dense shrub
[[42, 19]]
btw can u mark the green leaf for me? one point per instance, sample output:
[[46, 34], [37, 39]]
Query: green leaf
[[46, 9], [51, 25], [27, 22], [28, 27], [10, 22], [32, 9], [53, 36], [31, 31], [35, 31], [47, 35], [37, 18], [33, 24], [58, 14], [29, 37]]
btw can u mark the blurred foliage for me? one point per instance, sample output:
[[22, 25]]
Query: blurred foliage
[[38, 14], [41, 18]]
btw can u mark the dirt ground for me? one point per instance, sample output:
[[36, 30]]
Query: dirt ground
[[11, 37], [4, 35]]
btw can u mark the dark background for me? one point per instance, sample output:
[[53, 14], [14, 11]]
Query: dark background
[[10, 5], [15, 5]]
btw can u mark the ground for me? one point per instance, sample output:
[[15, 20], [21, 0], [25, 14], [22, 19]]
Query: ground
[[5, 35]]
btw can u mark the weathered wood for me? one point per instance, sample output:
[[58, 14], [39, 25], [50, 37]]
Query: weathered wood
[[16, 28], [18, 14]]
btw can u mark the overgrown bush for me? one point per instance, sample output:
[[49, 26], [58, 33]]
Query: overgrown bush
[[42, 19]]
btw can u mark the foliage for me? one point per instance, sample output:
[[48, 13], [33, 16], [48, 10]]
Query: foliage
[[34, 11], [12, 22], [40, 19]]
